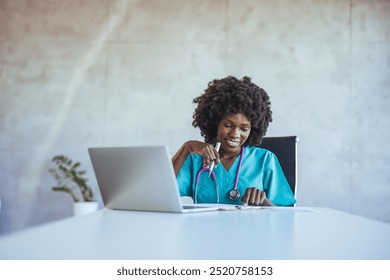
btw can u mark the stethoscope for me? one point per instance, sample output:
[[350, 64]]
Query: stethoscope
[[234, 193]]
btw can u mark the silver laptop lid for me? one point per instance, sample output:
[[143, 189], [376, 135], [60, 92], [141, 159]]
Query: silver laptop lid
[[136, 178]]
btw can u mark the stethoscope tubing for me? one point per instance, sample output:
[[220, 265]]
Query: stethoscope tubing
[[204, 169]]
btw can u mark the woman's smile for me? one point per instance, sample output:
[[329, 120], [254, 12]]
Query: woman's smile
[[233, 143]]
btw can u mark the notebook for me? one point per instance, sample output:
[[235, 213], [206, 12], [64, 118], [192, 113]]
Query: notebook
[[139, 178]]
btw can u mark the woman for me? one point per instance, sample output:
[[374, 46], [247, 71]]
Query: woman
[[235, 113]]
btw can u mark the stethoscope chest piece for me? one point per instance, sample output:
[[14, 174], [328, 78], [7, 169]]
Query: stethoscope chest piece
[[234, 194]]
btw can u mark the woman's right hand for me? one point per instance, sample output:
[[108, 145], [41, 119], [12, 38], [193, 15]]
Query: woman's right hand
[[207, 151]]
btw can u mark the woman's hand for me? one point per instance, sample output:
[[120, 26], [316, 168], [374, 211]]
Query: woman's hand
[[207, 151], [256, 197]]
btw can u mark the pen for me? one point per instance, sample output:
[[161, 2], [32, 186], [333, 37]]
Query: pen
[[211, 167]]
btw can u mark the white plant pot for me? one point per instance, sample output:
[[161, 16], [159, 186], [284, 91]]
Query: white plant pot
[[85, 207]]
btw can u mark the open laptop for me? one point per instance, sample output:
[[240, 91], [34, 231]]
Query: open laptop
[[139, 178]]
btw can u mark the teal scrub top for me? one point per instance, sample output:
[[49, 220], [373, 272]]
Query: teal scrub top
[[260, 169]]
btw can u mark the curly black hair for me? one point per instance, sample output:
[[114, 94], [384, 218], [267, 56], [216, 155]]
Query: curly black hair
[[229, 96]]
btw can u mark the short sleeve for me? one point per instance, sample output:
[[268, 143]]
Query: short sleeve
[[275, 183]]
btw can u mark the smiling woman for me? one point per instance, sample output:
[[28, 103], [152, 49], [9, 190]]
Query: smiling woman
[[235, 113]]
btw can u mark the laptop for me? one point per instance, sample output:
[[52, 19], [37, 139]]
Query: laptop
[[139, 178]]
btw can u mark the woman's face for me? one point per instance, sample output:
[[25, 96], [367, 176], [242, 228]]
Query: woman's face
[[233, 131]]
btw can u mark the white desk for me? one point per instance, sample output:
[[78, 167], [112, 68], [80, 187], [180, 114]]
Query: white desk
[[242, 235]]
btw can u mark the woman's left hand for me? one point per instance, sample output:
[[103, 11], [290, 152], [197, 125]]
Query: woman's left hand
[[256, 197]]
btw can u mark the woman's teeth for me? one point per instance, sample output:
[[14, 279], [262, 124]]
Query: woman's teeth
[[233, 143]]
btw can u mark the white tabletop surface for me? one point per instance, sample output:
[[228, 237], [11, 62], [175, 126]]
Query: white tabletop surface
[[247, 234]]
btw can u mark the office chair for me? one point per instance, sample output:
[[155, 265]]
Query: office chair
[[285, 148]]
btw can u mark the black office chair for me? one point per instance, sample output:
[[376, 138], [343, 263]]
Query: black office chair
[[285, 148]]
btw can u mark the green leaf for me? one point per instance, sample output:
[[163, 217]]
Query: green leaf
[[69, 178]]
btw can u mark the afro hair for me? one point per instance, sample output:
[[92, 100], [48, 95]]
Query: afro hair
[[229, 96]]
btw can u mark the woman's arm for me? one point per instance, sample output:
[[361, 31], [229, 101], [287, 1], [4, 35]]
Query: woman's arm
[[180, 156]]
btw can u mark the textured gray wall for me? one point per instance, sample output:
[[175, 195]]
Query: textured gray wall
[[78, 73]]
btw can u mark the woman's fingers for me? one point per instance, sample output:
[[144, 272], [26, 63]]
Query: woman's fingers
[[253, 196], [262, 198], [210, 154], [246, 196]]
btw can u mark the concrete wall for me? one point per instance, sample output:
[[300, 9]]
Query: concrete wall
[[79, 73]]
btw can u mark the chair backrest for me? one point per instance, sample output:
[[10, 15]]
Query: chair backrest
[[285, 149]]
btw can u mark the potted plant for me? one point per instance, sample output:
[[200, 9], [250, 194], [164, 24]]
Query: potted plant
[[70, 179]]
